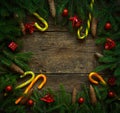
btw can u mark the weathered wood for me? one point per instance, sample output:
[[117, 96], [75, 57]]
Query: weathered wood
[[59, 52], [61, 56]]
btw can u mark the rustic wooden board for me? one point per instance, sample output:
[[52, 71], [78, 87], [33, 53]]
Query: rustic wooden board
[[58, 53]]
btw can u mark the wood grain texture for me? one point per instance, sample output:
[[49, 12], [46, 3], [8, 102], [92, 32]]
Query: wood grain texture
[[61, 56]]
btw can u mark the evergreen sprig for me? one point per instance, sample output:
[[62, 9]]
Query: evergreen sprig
[[13, 12]]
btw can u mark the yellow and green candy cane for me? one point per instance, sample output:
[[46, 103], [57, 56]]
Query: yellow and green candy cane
[[88, 24], [43, 21], [28, 81]]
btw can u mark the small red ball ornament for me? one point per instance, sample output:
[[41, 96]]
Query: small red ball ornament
[[108, 26], [13, 46], [65, 12], [111, 94], [30, 102], [111, 81], [81, 100], [8, 88]]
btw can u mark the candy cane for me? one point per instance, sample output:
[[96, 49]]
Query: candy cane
[[94, 74], [88, 24], [42, 20], [31, 85], [28, 81]]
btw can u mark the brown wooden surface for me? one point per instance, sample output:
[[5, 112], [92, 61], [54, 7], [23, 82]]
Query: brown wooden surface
[[61, 56]]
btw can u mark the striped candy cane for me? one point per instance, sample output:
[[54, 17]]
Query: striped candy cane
[[88, 24]]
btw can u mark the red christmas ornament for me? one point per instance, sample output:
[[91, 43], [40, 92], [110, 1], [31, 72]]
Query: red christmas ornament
[[30, 102], [13, 46], [47, 98], [29, 27], [111, 94], [111, 81], [76, 22], [81, 100], [8, 88], [108, 26], [65, 12], [110, 44]]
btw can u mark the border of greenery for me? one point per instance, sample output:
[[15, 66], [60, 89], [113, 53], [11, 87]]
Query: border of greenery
[[10, 31]]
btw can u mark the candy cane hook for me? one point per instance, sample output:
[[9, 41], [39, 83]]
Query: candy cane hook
[[88, 24], [28, 81], [94, 74], [42, 20], [31, 85]]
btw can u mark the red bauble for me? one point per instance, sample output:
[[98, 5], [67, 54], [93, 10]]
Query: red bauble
[[81, 100], [8, 88], [111, 81], [108, 26], [111, 94], [110, 44], [13, 46], [30, 102], [65, 13]]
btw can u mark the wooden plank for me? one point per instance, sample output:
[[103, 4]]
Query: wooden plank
[[69, 81], [60, 56], [59, 52]]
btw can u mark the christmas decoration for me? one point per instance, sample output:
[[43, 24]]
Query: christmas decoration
[[65, 12], [111, 81], [74, 93], [22, 28], [108, 26], [16, 68], [81, 100], [26, 97], [29, 27], [28, 81], [13, 46], [52, 7], [107, 95], [31, 85], [111, 94], [94, 26], [88, 24], [8, 88], [110, 44], [30, 102], [94, 74], [47, 98], [93, 95], [12, 66], [98, 55], [42, 20], [21, 24], [75, 21]]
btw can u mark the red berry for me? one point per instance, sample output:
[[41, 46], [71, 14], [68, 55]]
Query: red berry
[[108, 26], [81, 100], [65, 12], [8, 88], [111, 81], [30, 102], [111, 94]]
